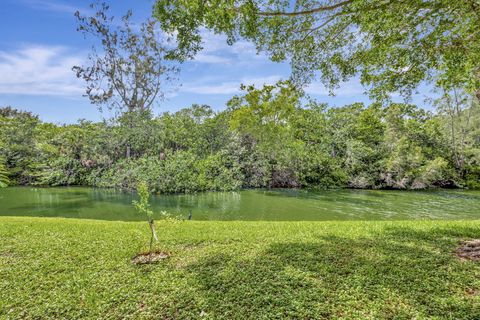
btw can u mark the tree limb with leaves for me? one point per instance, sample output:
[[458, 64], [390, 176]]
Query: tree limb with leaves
[[392, 46], [127, 68], [143, 207]]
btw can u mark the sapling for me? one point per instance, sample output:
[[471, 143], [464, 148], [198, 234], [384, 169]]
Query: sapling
[[143, 207]]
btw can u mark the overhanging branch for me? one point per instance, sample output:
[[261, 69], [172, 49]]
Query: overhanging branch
[[306, 12]]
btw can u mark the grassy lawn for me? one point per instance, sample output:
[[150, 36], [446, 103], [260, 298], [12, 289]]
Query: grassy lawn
[[62, 268]]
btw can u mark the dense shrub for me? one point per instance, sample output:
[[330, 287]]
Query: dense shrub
[[178, 172], [258, 142]]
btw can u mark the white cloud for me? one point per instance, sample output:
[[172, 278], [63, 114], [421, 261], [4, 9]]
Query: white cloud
[[203, 57], [216, 50], [227, 87], [220, 88], [214, 86], [39, 70], [50, 5]]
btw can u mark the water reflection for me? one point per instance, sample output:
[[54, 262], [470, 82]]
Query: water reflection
[[109, 204]]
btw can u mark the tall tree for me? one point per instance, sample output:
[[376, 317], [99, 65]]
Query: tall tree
[[127, 69], [461, 116], [19, 150], [264, 116], [393, 45]]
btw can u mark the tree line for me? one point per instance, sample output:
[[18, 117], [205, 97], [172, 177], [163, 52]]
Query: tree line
[[270, 137]]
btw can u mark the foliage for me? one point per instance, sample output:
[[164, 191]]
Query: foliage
[[238, 270], [460, 117], [179, 172], [129, 70], [19, 150], [143, 207], [431, 40], [267, 137], [4, 181], [263, 117]]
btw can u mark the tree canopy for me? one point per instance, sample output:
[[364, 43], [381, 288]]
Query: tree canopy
[[392, 45], [267, 137], [126, 68]]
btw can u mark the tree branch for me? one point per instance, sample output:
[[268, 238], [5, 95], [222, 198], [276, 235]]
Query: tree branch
[[306, 12]]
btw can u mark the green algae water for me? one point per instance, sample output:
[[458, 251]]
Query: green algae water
[[272, 205]]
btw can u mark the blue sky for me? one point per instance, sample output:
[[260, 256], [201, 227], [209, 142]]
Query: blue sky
[[39, 44]]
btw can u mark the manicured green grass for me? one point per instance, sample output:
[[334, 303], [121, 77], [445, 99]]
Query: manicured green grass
[[61, 268]]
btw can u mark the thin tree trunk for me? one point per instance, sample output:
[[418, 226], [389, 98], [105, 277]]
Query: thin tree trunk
[[128, 151], [452, 107], [454, 142], [477, 91], [462, 132], [477, 95], [154, 237]]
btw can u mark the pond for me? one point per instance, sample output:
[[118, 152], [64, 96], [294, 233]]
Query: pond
[[109, 204]]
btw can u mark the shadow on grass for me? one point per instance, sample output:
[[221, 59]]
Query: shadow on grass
[[399, 273]]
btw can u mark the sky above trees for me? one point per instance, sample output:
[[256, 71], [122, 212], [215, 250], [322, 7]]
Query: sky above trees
[[39, 44]]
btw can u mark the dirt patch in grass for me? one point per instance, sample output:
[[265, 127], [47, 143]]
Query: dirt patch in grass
[[469, 250], [150, 257], [471, 292]]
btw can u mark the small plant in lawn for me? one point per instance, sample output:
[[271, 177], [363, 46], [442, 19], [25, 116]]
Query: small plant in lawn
[[143, 207]]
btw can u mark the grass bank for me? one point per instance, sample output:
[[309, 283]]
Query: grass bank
[[62, 268]]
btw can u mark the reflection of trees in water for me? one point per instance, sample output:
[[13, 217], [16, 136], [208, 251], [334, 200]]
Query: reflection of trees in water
[[204, 206], [51, 202], [41, 197], [112, 195], [112, 204], [61, 195], [72, 202]]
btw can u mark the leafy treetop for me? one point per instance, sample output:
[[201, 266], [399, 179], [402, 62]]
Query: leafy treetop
[[392, 45]]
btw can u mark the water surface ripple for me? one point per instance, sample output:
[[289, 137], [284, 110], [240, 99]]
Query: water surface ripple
[[282, 205]]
